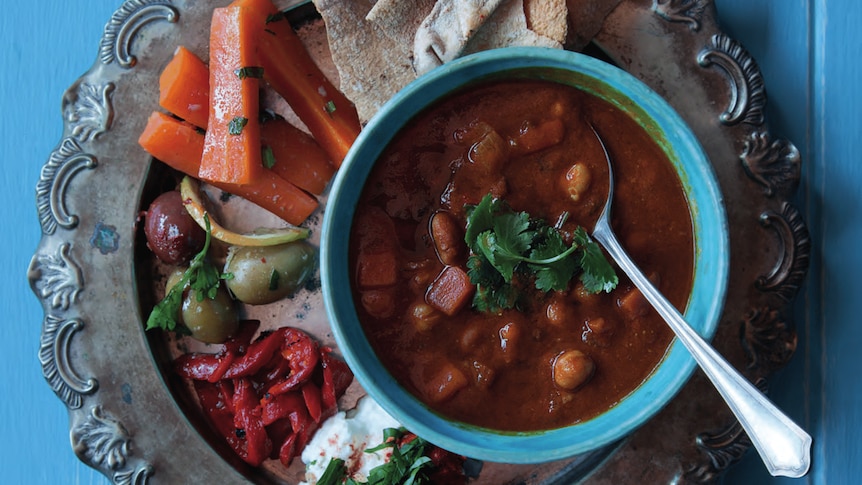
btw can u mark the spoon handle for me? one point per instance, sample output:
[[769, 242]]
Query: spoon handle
[[784, 447]]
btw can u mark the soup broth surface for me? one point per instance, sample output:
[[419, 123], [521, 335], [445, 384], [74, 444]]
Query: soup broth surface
[[528, 143]]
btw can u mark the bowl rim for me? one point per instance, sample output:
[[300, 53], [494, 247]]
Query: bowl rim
[[711, 265]]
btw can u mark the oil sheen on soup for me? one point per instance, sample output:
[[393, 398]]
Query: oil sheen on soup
[[556, 357]]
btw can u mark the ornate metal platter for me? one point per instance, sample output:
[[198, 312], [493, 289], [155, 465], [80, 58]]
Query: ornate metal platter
[[132, 421]]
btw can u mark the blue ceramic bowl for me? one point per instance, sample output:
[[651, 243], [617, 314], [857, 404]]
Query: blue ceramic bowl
[[710, 230]]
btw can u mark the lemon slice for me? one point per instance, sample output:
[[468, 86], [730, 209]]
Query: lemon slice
[[190, 191]]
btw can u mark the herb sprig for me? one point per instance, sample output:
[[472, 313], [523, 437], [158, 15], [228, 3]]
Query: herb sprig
[[509, 248], [201, 277], [407, 464]]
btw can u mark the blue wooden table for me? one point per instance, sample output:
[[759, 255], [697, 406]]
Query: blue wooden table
[[808, 52]]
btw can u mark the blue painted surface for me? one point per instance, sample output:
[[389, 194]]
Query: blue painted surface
[[808, 51]]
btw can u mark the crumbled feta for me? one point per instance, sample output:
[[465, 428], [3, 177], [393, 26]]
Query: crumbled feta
[[347, 436]]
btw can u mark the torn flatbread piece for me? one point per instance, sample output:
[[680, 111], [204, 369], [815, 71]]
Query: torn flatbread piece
[[372, 66], [400, 19], [372, 42], [444, 33], [507, 26]]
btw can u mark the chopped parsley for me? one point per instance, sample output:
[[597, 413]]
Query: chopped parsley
[[509, 248], [201, 277], [406, 466], [254, 72], [268, 157], [329, 107], [236, 125]]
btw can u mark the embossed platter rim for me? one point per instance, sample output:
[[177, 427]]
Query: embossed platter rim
[[83, 271]]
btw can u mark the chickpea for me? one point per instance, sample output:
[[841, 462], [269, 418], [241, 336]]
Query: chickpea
[[558, 312], [378, 303], [423, 316], [421, 274], [577, 181], [582, 296], [572, 369], [598, 332], [472, 337]]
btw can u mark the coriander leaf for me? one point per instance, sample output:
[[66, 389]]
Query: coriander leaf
[[508, 247], [201, 277], [554, 276], [512, 240], [480, 218], [598, 274], [492, 293]]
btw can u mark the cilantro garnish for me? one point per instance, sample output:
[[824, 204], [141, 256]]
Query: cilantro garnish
[[406, 466], [509, 247], [201, 277]]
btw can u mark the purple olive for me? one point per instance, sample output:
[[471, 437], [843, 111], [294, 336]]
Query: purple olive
[[171, 232]]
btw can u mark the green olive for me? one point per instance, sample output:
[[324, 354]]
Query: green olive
[[266, 274], [210, 320]]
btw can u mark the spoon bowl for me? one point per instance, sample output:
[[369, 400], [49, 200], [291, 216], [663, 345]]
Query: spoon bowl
[[784, 447]]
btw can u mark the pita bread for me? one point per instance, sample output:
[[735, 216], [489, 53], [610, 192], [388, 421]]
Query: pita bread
[[372, 66], [445, 32], [378, 46], [585, 20]]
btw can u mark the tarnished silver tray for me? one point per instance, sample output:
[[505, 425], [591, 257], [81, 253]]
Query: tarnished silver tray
[[127, 414]]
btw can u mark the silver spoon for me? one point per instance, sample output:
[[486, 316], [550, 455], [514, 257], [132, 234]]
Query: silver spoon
[[784, 447]]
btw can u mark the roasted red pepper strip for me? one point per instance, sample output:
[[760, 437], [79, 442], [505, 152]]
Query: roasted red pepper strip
[[212, 367], [301, 351], [282, 406], [303, 427], [196, 366], [259, 354], [234, 348], [247, 421], [284, 361], [288, 450], [336, 378], [311, 396], [217, 411]]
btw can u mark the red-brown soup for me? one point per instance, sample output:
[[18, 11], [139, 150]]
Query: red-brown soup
[[557, 357]]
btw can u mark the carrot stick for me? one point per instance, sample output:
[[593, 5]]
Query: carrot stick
[[232, 144], [289, 69], [184, 87], [180, 145], [298, 157]]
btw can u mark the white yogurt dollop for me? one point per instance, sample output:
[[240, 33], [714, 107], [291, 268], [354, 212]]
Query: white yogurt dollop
[[347, 437]]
